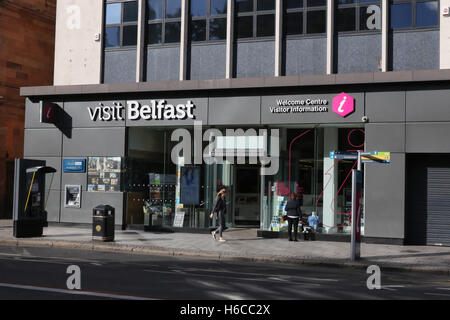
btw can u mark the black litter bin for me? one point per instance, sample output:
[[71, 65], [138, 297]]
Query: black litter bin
[[103, 223]]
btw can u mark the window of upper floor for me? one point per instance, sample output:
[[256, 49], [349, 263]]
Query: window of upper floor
[[414, 14], [121, 19], [255, 19]]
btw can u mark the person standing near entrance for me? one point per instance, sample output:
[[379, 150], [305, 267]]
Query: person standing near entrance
[[220, 208], [294, 213]]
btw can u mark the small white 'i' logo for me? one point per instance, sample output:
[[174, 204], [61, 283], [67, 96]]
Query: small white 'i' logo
[[342, 104]]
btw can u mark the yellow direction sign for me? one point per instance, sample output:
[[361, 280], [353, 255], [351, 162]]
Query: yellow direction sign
[[377, 157]]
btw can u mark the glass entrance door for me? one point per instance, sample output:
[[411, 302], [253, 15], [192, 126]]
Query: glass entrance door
[[247, 196]]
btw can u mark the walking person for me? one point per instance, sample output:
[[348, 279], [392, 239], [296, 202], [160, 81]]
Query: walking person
[[294, 213], [220, 208]]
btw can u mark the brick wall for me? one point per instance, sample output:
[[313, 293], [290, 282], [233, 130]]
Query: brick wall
[[27, 36]]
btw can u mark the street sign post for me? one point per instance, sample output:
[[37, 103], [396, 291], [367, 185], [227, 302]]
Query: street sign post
[[357, 203], [357, 190], [366, 157]]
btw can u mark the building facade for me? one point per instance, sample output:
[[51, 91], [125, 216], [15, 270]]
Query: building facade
[[27, 35], [158, 103]]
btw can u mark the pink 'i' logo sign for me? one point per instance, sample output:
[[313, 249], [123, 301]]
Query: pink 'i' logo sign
[[343, 104]]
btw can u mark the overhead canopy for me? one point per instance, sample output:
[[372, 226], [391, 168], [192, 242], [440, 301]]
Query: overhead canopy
[[41, 169]]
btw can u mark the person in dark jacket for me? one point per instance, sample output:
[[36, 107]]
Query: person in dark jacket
[[220, 208], [294, 212]]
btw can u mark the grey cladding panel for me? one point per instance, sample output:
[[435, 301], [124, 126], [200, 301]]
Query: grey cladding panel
[[385, 198], [428, 105], [89, 200], [208, 62], [95, 142], [256, 59], [120, 66], [358, 53], [53, 206], [234, 110], [42, 143], [306, 56], [385, 106], [428, 137], [163, 64], [416, 50], [268, 102], [81, 117], [386, 137]]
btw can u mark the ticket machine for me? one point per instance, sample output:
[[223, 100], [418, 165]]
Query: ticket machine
[[30, 199]]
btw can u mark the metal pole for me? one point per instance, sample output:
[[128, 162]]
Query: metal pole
[[359, 160], [353, 235]]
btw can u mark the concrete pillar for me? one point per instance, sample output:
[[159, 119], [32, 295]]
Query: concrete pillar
[[140, 42], [184, 39], [444, 22], [330, 179], [330, 36], [278, 37], [78, 53], [230, 40], [384, 35]]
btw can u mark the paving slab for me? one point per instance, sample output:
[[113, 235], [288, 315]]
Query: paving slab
[[243, 245]]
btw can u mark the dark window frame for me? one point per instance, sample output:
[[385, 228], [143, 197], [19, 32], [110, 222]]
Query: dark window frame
[[121, 25], [163, 21], [207, 18], [413, 15], [304, 9], [357, 5], [254, 13]]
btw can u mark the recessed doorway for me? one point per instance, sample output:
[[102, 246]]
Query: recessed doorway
[[247, 196]]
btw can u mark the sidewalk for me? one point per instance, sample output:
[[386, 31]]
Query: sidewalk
[[242, 245]]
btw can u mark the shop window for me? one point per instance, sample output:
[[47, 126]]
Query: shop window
[[307, 171], [357, 15], [163, 21], [208, 20], [304, 17], [411, 14], [121, 24], [162, 194], [255, 19]]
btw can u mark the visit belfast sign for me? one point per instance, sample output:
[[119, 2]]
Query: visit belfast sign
[[154, 110]]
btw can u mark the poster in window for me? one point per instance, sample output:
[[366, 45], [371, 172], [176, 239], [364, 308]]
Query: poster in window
[[72, 197], [104, 174], [190, 185]]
